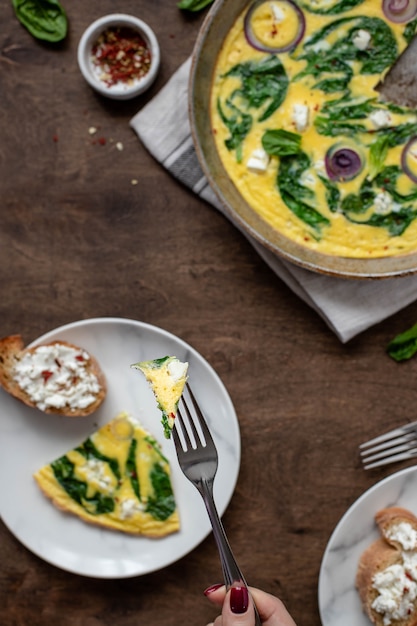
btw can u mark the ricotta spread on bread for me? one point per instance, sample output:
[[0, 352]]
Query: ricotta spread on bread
[[387, 572], [117, 478], [57, 375], [167, 377]]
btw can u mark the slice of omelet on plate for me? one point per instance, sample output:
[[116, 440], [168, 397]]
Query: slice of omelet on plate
[[117, 478], [167, 377]]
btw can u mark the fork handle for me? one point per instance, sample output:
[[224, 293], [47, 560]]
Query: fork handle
[[231, 571]]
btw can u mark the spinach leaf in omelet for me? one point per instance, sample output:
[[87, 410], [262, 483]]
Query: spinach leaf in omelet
[[263, 86], [330, 8], [162, 503], [330, 64], [293, 162], [96, 504], [356, 207]]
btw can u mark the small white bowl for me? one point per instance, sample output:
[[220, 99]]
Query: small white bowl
[[119, 91]]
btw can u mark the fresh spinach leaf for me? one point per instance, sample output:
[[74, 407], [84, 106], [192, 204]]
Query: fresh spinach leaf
[[378, 151], [131, 469], [333, 8], [399, 134], [263, 85], [410, 30], [387, 179], [89, 450], [193, 5], [238, 124], [44, 19], [294, 194], [162, 503], [332, 194], [63, 470], [320, 60], [404, 345], [396, 221], [280, 142]]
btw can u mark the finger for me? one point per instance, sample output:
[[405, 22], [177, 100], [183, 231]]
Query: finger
[[216, 594], [271, 609]]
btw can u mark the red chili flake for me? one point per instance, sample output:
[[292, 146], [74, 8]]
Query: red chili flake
[[55, 138], [46, 375], [121, 55], [79, 357], [102, 141]]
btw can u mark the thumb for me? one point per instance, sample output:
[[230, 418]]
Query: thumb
[[238, 609]]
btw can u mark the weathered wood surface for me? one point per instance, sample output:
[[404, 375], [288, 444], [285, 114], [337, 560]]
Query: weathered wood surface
[[78, 240]]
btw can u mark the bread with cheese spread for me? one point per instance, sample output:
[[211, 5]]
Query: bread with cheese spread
[[386, 578], [56, 377]]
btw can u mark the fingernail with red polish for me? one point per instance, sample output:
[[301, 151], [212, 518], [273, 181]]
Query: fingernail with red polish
[[210, 590], [239, 599]]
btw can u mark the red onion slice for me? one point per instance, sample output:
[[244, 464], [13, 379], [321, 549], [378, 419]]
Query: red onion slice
[[409, 159], [399, 11], [342, 163], [252, 39]]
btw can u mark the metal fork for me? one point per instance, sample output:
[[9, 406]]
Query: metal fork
[[396, 445], [198, 460]]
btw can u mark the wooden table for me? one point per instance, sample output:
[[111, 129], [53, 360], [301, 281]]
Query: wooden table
[[79, 240]]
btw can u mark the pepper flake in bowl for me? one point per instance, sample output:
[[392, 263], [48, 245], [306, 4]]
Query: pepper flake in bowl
[[119, 56]]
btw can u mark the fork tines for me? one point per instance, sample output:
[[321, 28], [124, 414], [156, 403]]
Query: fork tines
[[192, 422], [399, 444]]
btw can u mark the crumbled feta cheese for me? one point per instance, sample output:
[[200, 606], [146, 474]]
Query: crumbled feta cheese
[[380, 118], [396, 593], [95, 471], [277, 13], [300, 115], [405, 534], [177, 370], [361, 39], [321, 46], [258, 161], [129, 507], [56, 376], [384, 204]]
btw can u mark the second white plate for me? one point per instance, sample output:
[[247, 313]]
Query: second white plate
[[339, 601], [29, 439]]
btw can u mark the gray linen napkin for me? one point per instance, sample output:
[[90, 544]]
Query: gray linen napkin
[[347, 306]]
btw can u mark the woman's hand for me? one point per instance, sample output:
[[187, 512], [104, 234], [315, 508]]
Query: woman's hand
[[237, 607]]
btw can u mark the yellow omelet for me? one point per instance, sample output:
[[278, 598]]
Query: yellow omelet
[[303, 132], [117, 478], [167, 377]]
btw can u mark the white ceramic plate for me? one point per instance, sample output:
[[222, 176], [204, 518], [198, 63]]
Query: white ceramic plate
[[29, 439], [339, 601]]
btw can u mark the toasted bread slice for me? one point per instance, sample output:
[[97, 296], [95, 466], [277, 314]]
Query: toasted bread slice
[[56, 377]]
